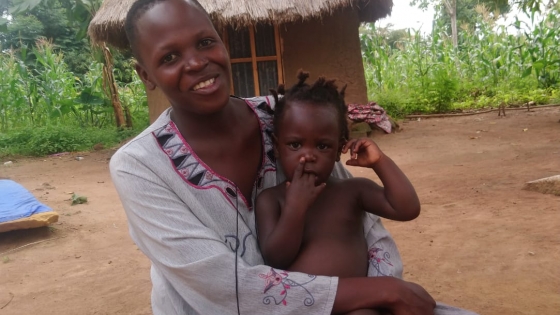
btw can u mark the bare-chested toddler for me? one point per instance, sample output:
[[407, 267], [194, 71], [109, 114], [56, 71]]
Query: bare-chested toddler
[[312, 223]]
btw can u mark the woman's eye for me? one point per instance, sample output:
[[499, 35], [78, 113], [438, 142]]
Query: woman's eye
[[169, 58], [294, 145], [205, 42]]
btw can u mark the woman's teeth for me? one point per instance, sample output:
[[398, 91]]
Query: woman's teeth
[[204, 84]]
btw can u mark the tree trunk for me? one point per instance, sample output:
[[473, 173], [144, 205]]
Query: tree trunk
[[451, 8], [112, 91]]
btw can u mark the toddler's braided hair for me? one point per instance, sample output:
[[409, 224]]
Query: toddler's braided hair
[[323, 93]]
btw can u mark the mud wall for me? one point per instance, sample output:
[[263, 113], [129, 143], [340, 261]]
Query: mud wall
[[157, 103], [329, 46]]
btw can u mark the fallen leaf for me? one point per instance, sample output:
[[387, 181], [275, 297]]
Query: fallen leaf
[[78, 200]]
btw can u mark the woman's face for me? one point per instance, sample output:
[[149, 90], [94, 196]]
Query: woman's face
[[181, 53]]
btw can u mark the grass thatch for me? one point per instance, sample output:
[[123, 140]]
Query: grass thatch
[[108, 24]]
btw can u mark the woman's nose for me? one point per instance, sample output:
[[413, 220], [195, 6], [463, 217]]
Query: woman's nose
[[195, 62]]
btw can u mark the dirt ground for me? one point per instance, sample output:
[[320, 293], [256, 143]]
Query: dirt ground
[[481, 242]]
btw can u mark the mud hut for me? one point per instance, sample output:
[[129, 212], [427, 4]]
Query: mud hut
[[269, 40]]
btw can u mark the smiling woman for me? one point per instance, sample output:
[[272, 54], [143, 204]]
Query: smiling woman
[[164, 58], [188, 185]]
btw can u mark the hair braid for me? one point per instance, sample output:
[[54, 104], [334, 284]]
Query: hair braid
[[322, 92]]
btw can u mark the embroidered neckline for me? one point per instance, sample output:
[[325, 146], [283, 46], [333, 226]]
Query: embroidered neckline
[[198, 174]]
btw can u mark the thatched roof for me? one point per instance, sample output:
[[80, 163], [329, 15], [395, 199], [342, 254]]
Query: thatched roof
[[108, 24]]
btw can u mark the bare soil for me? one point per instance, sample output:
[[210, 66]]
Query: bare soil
[[481, 241]]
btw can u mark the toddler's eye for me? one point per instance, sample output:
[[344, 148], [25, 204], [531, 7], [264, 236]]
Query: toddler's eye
[[169, 58], [322, 147], [294, 145]]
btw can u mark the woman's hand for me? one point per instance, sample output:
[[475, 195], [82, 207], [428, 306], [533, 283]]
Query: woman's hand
[[363, 152], [301, 192], [411, 299], [392, 294]]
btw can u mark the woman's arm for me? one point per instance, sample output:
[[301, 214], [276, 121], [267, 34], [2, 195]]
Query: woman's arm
[[392, 294], [352, 293]]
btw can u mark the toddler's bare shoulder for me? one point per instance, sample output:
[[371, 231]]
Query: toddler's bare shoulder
[[272, 193], [357, 182]]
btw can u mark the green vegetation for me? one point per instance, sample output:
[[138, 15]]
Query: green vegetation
[[54, 96], [55, 88], [46, 109], [410, 73]]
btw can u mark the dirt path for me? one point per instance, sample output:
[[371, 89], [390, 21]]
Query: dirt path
[[481, 242]]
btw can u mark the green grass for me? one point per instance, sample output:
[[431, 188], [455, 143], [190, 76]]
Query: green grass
[[47, 140]]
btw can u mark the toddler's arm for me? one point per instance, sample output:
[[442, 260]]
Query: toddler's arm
[[280, 225], [397, 200]]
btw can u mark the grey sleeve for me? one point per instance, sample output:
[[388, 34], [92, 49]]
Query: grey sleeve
[[196, 262], [340, 171]]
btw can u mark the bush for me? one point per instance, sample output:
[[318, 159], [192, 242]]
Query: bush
[[57, 139]]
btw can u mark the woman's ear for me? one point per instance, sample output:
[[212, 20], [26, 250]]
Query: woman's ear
[[144, 77], [275, 143]]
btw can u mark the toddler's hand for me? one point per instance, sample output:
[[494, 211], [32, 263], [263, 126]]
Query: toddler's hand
[[301, 192], [363, 152]]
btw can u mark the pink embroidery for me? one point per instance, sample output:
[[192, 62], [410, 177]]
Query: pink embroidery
[[281, 279], [374, 253], [169, 152], [272, 278], [184, 172], [380, 261], [209, 176]]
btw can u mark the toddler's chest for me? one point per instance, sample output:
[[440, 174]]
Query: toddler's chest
[[335, 214]]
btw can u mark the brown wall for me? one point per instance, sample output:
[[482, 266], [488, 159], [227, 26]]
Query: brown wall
[[327, 47], [157, 103]]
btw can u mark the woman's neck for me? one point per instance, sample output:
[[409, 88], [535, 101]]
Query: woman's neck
[[193, 126]]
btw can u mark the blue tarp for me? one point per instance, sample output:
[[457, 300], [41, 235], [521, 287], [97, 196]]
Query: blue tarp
[[16, 202]]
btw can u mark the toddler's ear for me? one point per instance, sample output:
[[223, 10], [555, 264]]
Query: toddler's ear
[[341, 145]]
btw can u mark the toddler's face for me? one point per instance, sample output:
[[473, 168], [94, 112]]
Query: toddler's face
[[311, 131]]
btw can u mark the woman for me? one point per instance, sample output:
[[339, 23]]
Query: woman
[[188, 182]]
